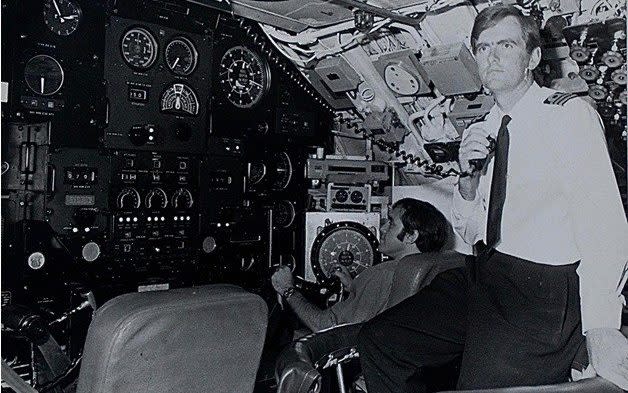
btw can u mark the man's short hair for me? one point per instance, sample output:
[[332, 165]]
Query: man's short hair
[[490, 16], [427, 220]]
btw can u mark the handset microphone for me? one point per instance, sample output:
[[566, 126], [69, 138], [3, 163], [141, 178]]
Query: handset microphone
[[477, 164]]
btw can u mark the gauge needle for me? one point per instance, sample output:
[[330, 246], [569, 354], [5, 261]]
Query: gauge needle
[[175, 63], [58, 11], [255, 83], [69, 17], [177, 103], [42, 83]]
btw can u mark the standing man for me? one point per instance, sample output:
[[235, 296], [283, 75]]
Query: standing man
[[549, 230], [412, 227]]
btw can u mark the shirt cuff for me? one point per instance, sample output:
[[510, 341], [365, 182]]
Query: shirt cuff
[[463, 208], [601, 311]]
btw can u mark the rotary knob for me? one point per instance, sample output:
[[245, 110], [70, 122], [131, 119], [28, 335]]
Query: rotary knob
[[619, 76], [612, 59], [589, 73], [579, 53], [598, 92]]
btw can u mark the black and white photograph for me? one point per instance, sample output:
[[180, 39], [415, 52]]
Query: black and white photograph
[[313, 196]]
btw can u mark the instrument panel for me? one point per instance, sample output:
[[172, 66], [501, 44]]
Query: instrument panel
[[158, 87]]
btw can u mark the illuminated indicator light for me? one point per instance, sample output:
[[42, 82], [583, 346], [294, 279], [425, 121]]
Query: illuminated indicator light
[[74, 230], [227, 224], [237, 147], [150, 137], [151, 130], [86, 229], [181, 218], [156, 218], [128, 219], [134, 219], [150, 219], [219, 225], [187, 218], [163, 218], [176, 218]]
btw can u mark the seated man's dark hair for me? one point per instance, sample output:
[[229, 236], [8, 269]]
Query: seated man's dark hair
[[428, 221]]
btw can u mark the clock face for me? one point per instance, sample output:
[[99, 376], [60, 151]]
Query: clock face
[[62, 17], [244, 76]]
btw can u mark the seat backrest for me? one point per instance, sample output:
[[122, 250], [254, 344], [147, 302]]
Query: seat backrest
[[415, 271], [200, 339]]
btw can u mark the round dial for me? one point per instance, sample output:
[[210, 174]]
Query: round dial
[[179, 99], [357, 196], [344, 243], [182, 199], [62, 16], [283, 213], [156, 199], [342, 196], [283, 171], [256, 172], [43, 75], [128, 198], [139, 48], [244, 76], [181, 56]]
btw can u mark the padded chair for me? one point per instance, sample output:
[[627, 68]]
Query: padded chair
[[299, 367], [203, 339]]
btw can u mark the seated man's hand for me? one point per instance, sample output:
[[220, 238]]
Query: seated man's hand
[[608, 354], [344, 276], [282, 279]]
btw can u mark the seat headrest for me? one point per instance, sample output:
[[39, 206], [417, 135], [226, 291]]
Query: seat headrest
[[415, 271], [200, 339]]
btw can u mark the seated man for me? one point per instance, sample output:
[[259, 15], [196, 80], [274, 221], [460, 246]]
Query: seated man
[[412, 227]]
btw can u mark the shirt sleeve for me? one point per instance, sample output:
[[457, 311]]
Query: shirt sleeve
[[468, 216], [596, 213], [372, 288]]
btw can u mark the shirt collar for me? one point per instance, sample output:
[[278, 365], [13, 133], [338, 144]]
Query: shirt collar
[[521, 109]]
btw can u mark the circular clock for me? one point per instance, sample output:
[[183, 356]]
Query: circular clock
[[244, 76], [62, 17]]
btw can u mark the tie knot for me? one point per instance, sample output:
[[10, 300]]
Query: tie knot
[[505, 120]]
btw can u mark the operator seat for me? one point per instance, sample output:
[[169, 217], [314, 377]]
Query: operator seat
[[201, 339]]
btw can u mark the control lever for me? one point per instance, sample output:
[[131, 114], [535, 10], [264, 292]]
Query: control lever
[[90, 301]]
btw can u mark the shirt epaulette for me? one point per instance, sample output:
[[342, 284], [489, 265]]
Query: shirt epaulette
[[559, 98]]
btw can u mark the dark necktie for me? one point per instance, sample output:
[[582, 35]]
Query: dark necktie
[[498, 185]]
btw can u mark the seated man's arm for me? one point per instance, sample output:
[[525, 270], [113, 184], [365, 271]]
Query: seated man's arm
[[312, 316]]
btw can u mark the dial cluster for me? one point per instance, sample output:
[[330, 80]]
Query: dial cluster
[[140, 50], [129, 198]]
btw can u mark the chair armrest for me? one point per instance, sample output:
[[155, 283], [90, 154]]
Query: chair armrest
[[297, 368]]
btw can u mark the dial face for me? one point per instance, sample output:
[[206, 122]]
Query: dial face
[[256, 172], [283, 213], [128, 198], [62, 17], [139, 48], [179, 99], [346, 247], [182, 199], [244, 76], [181, 56], [156, 199], [43, 75], [283, 168]]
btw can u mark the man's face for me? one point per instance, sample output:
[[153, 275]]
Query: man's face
[[502, 56], [391, 227]]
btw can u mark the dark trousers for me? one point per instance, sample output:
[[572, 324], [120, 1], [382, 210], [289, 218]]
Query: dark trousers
[[515, 323]]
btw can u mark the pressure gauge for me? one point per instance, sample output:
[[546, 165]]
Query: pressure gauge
[[139, 48], [181, 56]]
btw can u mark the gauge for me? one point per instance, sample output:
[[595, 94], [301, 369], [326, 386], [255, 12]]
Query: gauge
[[357, 196], [283, 213], [43, 75], [179, 99], [62, 16], [181, 56], [256, 172], [342, 196], [244, 76], [139, 48], [156, 199], [128, 198], [346, 243], [182, 199], [283, 168]]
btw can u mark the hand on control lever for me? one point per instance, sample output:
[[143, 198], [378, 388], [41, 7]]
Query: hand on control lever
[[344, 276]]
